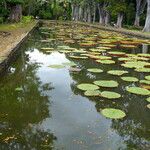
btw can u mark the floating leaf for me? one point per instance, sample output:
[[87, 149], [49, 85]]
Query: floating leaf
[[69, 64], [135, 64], [95, 70], [56, 66], [107, 62], [87, 87], [143, 70], [106, 83], [138, 90], [145, 82], [117, 72], [129, 79], [92, 93], [116, 53], [72, 69], [147, 77], [113, 113], [148, 99], [148, 106], [110, 95]]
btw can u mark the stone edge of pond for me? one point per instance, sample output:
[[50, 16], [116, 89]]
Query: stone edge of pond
[[138, 34], [12, 55]]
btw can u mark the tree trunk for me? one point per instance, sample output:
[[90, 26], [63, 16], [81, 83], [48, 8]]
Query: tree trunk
[[101, 14], [16, 13], [94, 13], [107, 18], [89, 15], [147, 23], [140, 6], [119, 20]]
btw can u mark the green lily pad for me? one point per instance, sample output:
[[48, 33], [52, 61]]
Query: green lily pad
[[117, 72], [106, 62], [106, 83], [92, 93], [95, 70], [116, 53], [110, 95], [148, 106], [145, 82], [129, 79], [56, 66], [69, 64], [135, 64], [147, 77], [87, 87], [113, 113], [148, 99], [138, 90], [143, 70]]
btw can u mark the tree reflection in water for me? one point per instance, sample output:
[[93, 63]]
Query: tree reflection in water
[[22, 111]]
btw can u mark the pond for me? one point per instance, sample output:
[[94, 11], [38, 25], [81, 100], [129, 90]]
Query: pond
[[77, 88]]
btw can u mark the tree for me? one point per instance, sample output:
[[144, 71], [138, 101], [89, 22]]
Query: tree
[[140, 6], [147, 23], [15, 10]]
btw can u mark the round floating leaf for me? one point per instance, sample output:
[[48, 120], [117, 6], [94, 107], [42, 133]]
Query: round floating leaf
[[143, 70], [145, 82], [106, 83], [87, 87], [72, 69], [78, 57], [129, 79], [107, 62], [147, 77], [135, 64], [117, 72], [116, 53], [148, 99], [69, 64], [138, 90], [95, 70], [113, 113], [110, 95], [148, 106], [56, 66], [92, 93]]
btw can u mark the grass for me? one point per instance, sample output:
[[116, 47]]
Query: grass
[[14, 26]]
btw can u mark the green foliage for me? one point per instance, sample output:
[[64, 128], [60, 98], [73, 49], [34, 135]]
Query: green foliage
[[26, 19]]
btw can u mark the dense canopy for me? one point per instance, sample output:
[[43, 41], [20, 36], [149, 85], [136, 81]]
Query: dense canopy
[[106, 12]]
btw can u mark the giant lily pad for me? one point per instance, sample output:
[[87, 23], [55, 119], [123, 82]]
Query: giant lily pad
[[117, 72], [69, 64], [110, 95], [107, 62], [106, 83], [145, 82], [129, 79], [148, 106], [92, 93], [113, 113], [147, 77], [143, 69], [138, 90], [135, 64], [148, 99], [87, 87], [56, 66], [117, 53], [95, 70]]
